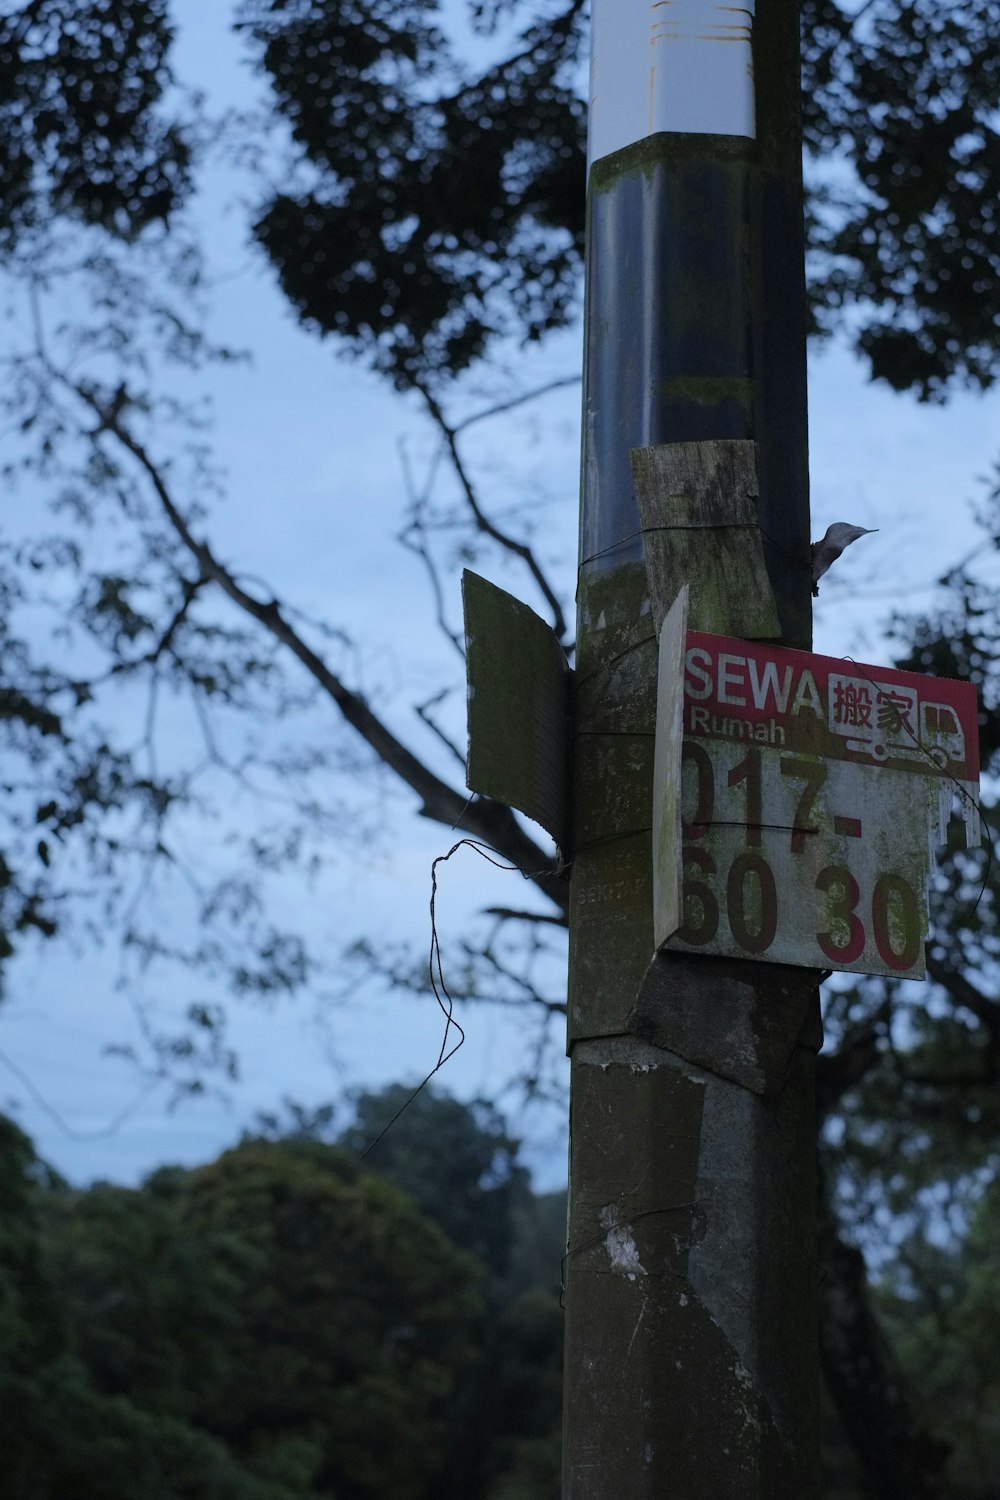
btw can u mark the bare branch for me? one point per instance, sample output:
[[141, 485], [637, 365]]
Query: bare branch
[[499, 408], [103, 1131], [529, 994], [423, 713], [511, 914], [484, 524], [485, 819], [413, 538]]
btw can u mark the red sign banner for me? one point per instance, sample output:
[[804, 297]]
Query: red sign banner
[[829, 706]]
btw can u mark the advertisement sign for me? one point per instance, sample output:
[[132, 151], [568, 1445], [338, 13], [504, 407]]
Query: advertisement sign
[[813, 789]]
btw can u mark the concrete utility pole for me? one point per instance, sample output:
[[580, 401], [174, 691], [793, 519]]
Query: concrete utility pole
[[691, 1353]]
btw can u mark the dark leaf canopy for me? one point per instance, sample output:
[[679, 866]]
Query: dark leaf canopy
[[81, 133], [457, 1162], [907, 96], [958, 636], [437, 206], [433, 206]]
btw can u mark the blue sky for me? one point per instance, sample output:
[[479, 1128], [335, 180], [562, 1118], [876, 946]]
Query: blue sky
[[312, 447]]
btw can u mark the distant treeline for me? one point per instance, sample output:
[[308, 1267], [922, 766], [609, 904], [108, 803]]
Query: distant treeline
[[291, 1322], [285, 1323]]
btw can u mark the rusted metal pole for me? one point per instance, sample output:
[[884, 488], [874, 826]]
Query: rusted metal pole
[[691, 1352]]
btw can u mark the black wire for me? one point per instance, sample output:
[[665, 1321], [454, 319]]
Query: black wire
[[439, 988], [800, 562]]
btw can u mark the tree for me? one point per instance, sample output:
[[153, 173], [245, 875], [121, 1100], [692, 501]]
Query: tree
[[419, 222], [61, 1434], [457, 1161], [274, 1323], [938, 1308], [169, 619], [459, 1164], [85, 137], [909, 1097], [300, 1314]]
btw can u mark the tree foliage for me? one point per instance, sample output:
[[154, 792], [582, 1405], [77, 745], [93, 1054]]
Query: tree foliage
[[441, 205], [457, 1161], [83, 132], [460, 1164], [61, 1433], [939, 1310], [274, 1324], [903, 93]]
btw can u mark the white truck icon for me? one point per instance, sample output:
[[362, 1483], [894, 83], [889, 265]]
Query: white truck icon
[[882, 719], [941, 734]]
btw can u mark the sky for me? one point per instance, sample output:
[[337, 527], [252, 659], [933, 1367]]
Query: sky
[[314, 448]]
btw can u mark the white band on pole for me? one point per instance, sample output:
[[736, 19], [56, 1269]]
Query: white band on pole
[[680, 65]]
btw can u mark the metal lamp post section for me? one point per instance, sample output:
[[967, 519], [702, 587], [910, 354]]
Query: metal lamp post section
[[691, 1348]]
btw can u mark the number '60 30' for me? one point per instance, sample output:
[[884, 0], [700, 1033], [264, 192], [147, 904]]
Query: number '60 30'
[[752, 910]]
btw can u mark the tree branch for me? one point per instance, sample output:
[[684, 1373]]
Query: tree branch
[[423, 713], [510, 914], [965, 994], [488, 820], [560, 382], [530, 995], [414, 538], [858, 1053], [484, 524], [901, 1459]]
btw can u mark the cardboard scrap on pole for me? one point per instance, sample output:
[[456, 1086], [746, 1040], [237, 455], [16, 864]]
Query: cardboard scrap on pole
[[518, 707]]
